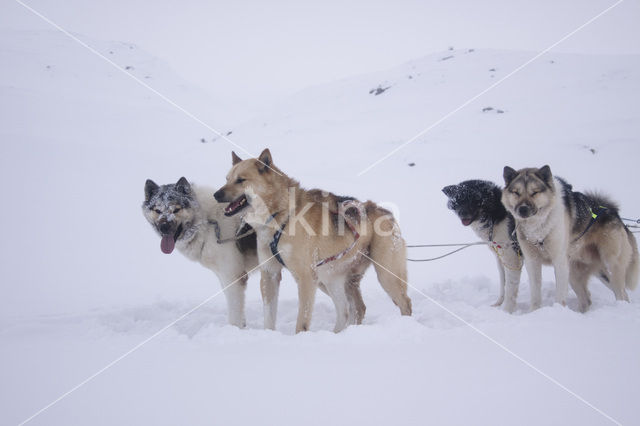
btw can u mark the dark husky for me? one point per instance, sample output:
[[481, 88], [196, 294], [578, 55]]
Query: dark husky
[[579, 234], [187, 217], [477, 204]]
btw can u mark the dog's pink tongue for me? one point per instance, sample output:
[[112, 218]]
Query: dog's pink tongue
[[167, 244]]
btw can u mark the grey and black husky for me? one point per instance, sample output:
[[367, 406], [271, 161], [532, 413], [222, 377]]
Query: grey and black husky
[[187, 217], [477, 204], [579, 234]]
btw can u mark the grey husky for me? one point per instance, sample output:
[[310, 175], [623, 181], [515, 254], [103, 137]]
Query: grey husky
[[579, 234], [187, 217], [477, 204]]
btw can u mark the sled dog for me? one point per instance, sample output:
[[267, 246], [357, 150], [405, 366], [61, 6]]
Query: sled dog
[[477, 203], [579, 234], [304, 231], [187, 217]]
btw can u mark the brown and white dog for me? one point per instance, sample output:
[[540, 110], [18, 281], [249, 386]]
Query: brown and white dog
[[304, 231], [579, 234]]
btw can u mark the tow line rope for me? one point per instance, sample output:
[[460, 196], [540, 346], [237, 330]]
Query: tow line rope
[[636, 225], [631, 220], [495, 245], [220, 240], [461, 247]]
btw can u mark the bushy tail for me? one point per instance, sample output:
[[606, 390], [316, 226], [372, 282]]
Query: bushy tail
[[389, 253], [633, 270]]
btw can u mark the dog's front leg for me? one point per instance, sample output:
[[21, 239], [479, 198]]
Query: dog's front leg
[[511, 289], [502, 280], [235, 295], [561, 269], [270, 288], [534, 270], [306, 297], [234, 287], [557, 249]]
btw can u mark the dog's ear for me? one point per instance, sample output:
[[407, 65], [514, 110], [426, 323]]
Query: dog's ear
[[508, 174], [150, 188], [235, 159], [450, 190], [183, 185], [264, 161], [544, 173]]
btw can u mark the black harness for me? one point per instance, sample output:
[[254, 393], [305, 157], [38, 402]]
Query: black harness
[[276, 239], [595, 213], [273, 245]]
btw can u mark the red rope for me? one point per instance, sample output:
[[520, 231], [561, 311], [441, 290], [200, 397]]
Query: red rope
[[356, 236]]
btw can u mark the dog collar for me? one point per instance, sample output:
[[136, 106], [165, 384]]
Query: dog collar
[[236, 237]]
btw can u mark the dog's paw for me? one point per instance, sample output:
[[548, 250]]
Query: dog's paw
[[583, 308], [498, 302], [239, 323], [509, 307]]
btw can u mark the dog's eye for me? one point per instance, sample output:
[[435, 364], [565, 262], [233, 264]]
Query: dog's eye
[[534, 193], [516, 193], [240, 180], [176, 210], [157, 211]]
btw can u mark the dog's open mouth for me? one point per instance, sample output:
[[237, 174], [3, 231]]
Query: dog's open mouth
[[466, 221], [168, 242], [236, 205]]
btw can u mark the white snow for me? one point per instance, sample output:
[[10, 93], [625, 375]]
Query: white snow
[[84, 280]]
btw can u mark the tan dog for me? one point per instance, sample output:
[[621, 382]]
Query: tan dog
[[579, 234], [305, 230]]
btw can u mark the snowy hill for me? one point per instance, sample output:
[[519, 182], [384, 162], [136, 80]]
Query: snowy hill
[[576, 113], [84, 280], [81, 137], [559, 102]]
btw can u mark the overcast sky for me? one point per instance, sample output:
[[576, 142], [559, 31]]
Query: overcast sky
[[251, 53]]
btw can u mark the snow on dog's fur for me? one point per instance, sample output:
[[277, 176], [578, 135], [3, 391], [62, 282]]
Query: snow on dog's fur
[[558, 226], [477, 204], [310, 231], [186, 216]]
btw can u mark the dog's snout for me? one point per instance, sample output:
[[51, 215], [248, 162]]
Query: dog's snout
[[219, 195], [524, 210], [165, 227]]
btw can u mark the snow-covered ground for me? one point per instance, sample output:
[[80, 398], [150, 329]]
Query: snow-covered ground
[[84, 281]]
